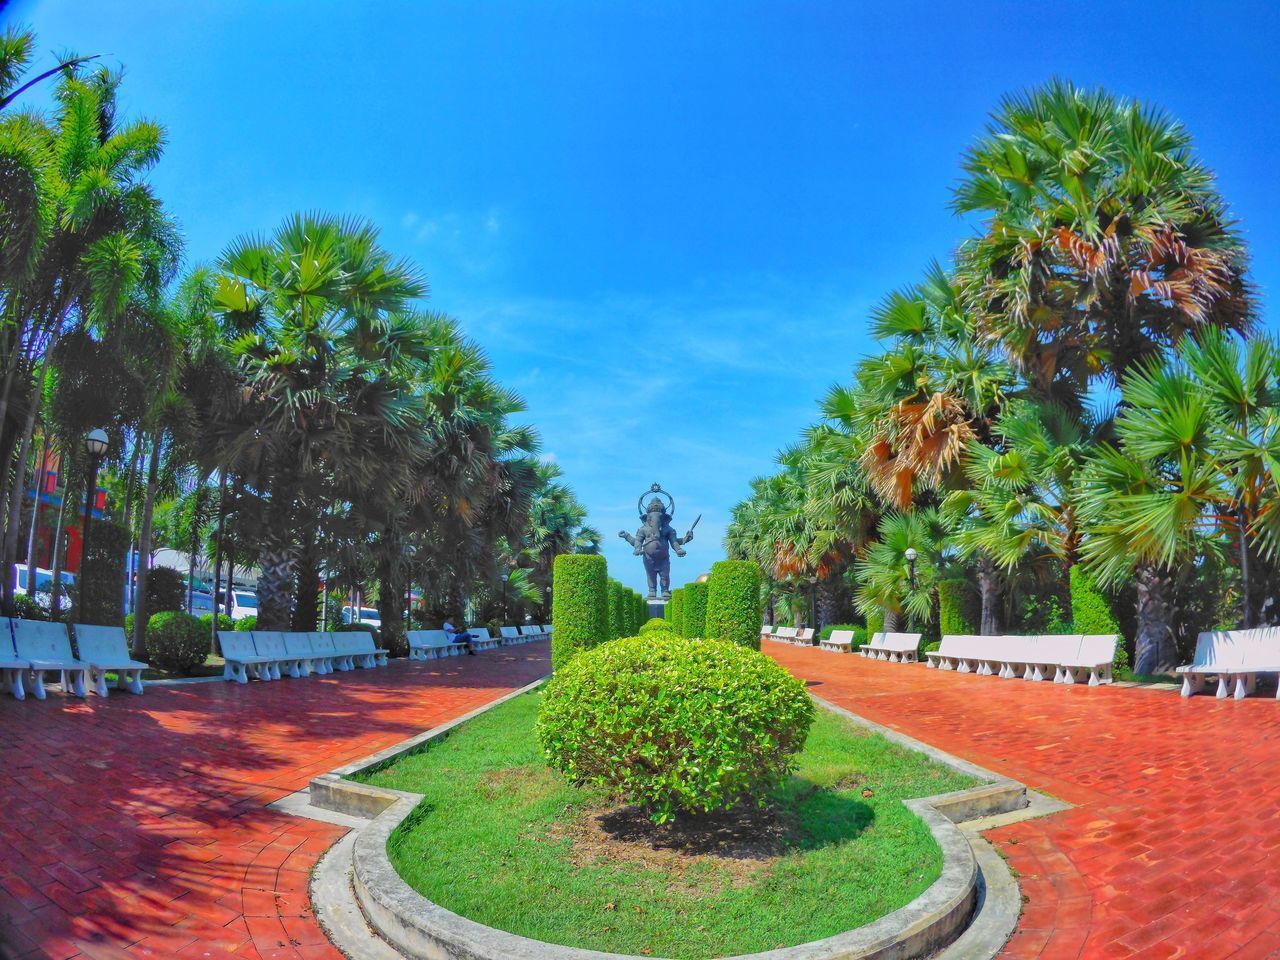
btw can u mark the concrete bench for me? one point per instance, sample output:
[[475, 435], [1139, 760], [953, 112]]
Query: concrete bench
[[46, 647], [531, 632], [243, 660], [430, 644], [323, 650], [107, 649], [766, 632], [546, 630], [511, 636], [1068, 658], [803, 638], [12, 670], [1234, 658], [1095, 656], [480, 639], [894, 647], [784, 634], [840, 641], [355, 648]]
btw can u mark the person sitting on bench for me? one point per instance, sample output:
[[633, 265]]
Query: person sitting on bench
[[458, 636]]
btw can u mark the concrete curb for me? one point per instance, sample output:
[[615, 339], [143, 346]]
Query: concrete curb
[[965, 905]]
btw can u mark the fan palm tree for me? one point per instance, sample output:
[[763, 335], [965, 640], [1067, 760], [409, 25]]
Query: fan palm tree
[[1104, 239], [885, 579]]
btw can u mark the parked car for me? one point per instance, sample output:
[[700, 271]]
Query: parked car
[[42, 592], [244, 603], [369, 615], [201, 602]]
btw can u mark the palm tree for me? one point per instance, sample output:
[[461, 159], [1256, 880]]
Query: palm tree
[[1104, 241], [885, 580]]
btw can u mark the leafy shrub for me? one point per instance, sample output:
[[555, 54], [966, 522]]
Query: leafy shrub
[[859, 634], [695, 609], [395, 639], [656, 625], [955, 608], [875, 622], [26, 608], [733, 603], [176, 641], [929, 646], [1091, 612], [247, 624], [224, 622], [166, 589], [636, 611], [579, 605], [675, 724], [675, 612]]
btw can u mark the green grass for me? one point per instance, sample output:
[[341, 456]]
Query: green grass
[[489, 842]]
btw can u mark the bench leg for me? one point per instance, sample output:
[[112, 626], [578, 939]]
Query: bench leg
[[37, 684], [12, 680], [1064, 675], [1246, 683], [98, 679], [294, 668], [135, 682], [1224, 683]]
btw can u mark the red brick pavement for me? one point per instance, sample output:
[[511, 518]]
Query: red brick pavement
[[1173, 847], [136, 826]]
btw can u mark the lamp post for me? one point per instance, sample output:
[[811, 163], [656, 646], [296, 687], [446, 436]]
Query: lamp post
[[911, 555], [813, 601], [95, 443], [506, 575]]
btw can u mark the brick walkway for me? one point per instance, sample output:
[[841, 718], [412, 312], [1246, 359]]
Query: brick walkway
[[1173, 847], [136, 826]]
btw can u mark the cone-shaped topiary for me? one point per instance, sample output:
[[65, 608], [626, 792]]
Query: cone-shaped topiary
[[617, 625], [675, 612], [733, 603], [695, 609], [675, 724], [579, 605]]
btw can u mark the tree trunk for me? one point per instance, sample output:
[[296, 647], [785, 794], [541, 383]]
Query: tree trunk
[[126, 587], [278, 562], [1246, 594], [55, 561], [307, 608], [140, 611], [197, 511], [1154, 647], [989, 584], [892, 620], [828, 601], [34, 534], [18, 493]]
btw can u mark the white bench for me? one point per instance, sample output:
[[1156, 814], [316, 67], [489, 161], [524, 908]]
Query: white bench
[[531, 632], [766, 631], [480, 639], [546, 630], [355, 648], [12, 669], [46, 646], [841, 641], [1234, 658], [323, 650], [107, 649], [430, 644], [784, 634], [1096, 654], [271, 644], [1068, 657], [803, 638], [243, 660], [894, 647], [511, 635]]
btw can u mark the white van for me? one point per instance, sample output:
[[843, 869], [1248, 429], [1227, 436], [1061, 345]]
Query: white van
[[40, 591], [244, 603], [369, 615]]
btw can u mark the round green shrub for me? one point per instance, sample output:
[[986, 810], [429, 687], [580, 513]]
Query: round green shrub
[[247, 624], [224, 621], [579, 605], [656, 625], [733, 603], [1091, 613], [166, 589], [675, 724], [176, 641], [695, 609], [26, 608]]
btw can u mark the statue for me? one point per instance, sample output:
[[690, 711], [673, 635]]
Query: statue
[[655, 538]]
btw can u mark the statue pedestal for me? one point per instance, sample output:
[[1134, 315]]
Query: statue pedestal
[[658, 609]]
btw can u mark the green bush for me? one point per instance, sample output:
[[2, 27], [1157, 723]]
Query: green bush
[[224, 622], [929, 646], [639, 614], [1091, 612], [675, 724], [617, 626], [875, 622], [859, 633], [166, 589], [675, 612], [101, 576], [733, 603], [656, 625], [26, 608], [246, 624], [695, 609], [955, 608], [579, 605], [176, 641]]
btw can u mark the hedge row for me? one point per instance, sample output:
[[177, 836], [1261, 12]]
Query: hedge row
[[675, 612], [1091, 612], [956, 614], [579, 605], [733, 603], [695, 609]]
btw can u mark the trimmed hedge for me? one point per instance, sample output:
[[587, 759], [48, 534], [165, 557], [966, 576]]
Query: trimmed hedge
[[224, 622], [695, 610], [166, 587], [675, 612], [1091, 612], [579, 605], [176, 641], [247, 624], [733, 603], [955, 608], [656, 625], [616, 625], [101, 574], [674, 724]]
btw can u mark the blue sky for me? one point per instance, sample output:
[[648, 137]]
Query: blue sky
[[665, 222]]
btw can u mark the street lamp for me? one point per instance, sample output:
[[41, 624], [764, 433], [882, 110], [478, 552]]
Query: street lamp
[[95, 443], [813, 601], [506, 575], [911, 555]]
